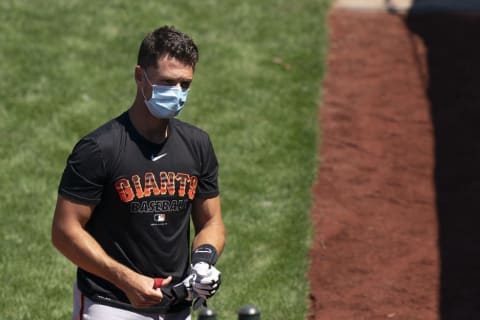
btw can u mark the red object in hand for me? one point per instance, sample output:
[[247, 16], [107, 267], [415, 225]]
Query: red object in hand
[[158, 283]]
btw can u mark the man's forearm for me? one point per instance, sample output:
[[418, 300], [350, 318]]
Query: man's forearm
[[84, 251], [212, 233]]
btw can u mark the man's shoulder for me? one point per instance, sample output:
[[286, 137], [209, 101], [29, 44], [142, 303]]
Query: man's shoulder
[[109, 129], [189, 129], [109, 136]]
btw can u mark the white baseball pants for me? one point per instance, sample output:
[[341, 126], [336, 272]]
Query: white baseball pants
[[86, 309]]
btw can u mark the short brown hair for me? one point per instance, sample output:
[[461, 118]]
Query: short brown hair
[[167, 40]]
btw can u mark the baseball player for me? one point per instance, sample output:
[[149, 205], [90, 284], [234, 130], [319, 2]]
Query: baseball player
[[127, 194]]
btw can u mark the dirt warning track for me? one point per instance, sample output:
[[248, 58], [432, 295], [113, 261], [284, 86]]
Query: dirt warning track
[[376, 253], [397, 223]]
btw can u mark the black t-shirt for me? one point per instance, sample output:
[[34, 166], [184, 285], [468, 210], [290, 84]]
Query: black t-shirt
[[142, 194]]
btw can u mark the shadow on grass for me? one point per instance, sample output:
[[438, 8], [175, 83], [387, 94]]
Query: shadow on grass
[[453, 44]]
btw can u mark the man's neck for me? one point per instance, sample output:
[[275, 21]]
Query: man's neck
[[153, 129]]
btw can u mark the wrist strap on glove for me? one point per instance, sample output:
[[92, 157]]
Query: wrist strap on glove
[[176, 293], [205, 253]]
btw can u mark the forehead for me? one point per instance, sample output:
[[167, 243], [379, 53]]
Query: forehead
[[171, 68]]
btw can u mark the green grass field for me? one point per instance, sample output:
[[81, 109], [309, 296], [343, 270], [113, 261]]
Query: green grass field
[[67, 66]]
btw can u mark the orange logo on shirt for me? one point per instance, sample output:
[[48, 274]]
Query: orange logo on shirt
[[170, 183]]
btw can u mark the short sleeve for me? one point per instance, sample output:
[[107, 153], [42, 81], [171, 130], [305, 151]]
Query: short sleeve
[[208, 181], [84, 175]]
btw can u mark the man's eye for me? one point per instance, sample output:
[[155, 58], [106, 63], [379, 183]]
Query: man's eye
[[185, 84], [170, 82]]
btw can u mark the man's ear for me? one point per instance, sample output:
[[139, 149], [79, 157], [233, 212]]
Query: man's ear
[[138, 75]]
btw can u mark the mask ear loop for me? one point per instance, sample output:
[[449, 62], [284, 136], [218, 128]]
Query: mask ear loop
[[143, 94], [146, 77], [148, 80]]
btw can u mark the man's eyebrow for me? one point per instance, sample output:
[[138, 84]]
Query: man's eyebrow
[[176, 79]]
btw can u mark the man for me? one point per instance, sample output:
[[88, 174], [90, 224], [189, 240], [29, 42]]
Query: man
[[127, 194]]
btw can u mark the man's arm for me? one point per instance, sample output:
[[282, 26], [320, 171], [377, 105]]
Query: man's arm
[[71, 239], [208, 223]]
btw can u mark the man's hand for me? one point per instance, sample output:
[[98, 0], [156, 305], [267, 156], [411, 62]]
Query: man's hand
[[141, 292], [184, 289], [206, 280], [205, 277]]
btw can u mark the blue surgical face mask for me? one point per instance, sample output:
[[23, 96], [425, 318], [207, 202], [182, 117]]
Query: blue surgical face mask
[[166, 101]]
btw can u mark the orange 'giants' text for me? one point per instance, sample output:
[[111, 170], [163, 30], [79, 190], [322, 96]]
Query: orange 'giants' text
[[168, 183]]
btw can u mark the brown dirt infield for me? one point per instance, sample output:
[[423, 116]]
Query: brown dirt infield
[[392, 208]]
